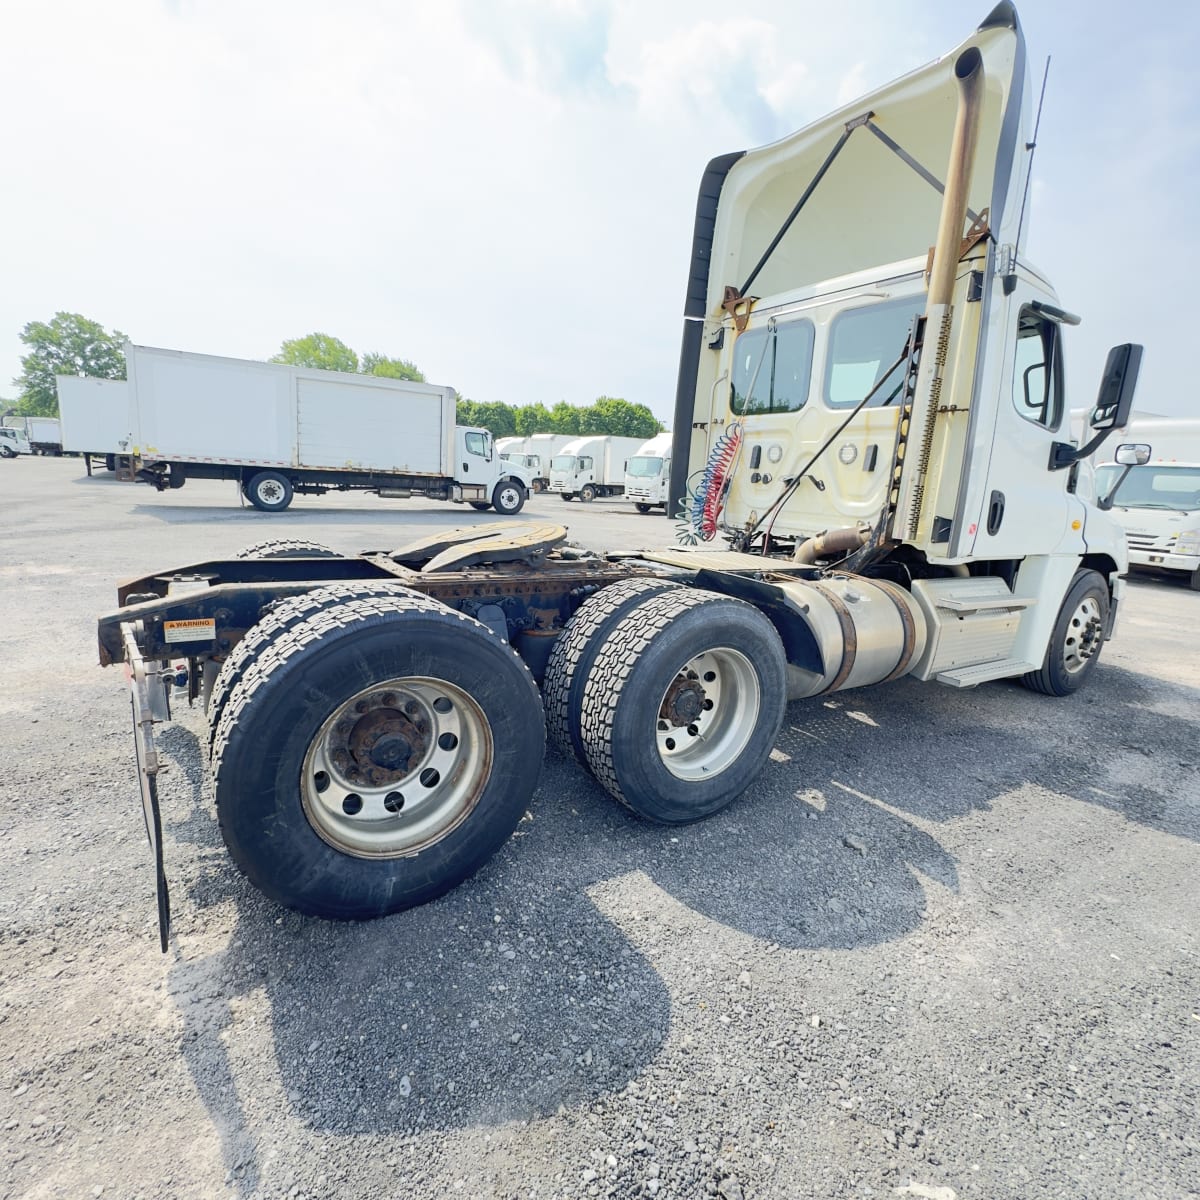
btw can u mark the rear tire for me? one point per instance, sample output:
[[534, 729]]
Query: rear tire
[[287, 548], [574, 652], [381, 755], [508, 498], [282, 617], [1076, 640], [269, 491], [683, 702]]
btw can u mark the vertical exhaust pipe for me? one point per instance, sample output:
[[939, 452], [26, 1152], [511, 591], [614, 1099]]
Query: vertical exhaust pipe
[[917, 442], [968, 72]]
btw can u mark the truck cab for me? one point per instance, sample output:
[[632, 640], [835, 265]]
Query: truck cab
[[648, 474], [13, 442]]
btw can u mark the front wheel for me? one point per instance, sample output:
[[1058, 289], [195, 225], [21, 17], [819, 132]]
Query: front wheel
[[508, 497], [1076, 640], [379, 756], [682, 703], [587, 493], [538, 486], [643, 508], [1194, 582], [269, 491], [8, 452], [480, 505]]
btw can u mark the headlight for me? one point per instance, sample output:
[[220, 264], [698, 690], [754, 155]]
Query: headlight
[[1188, 542]]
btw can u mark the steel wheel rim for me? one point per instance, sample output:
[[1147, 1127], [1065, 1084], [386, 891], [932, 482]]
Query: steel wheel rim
[[396, 768], [708, 714], [270, 491], [1084, 631], [509, 497]]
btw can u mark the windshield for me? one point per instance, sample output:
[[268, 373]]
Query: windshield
[[563, 462], [1152, 486], [644, 466]]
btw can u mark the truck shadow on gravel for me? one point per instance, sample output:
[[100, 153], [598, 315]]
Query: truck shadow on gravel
[[515, 995]]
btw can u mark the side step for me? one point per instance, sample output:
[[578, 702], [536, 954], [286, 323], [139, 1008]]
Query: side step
[[1001, 668]]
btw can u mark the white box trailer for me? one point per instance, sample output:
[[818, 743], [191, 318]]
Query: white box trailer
[[96, 417], [589, 467], [648, 474], [280, 429]]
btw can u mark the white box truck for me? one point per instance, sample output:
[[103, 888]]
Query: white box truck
[[279, 430], [591, 467], [883, 489], [1157, 503], [96, 418], [43, 433], [648, 474], [534, 453]]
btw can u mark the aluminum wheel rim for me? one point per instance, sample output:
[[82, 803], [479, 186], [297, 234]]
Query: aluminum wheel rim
[[396, 768], [1083, 635], [708, 714]]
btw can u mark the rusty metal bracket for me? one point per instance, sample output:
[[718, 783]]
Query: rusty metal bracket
[[738, 307], [978, 232]]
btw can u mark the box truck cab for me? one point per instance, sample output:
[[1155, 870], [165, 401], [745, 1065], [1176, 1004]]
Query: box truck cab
[[589, 467], [1157, 506], [534, 453], [648, 474], [13, 442]]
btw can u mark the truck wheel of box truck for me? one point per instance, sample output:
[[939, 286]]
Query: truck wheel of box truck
[[384, 752], [480, 505], [587, 493], [682, 704], [508, 497], [8, 452], [1195, 580], [269, 491], [643, 508], [1077, 638]]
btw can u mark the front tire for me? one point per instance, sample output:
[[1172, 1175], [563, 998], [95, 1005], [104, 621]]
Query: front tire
[[683, 702], [8, 452], [643, 508], [508, 498], [1076, 640], [480, 505], [269, 491], [383, 753], [587, 493]]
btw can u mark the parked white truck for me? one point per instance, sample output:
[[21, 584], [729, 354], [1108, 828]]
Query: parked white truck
[[648, 474], [279, 430], [882, 487], [96, 416], [1157, 504], [13, 442], [534, 454], [591, 467], [44, 434]]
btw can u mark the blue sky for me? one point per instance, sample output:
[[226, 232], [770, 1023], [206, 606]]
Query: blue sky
[[502, 190]]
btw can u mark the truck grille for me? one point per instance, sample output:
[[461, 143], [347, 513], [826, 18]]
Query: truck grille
[[1147, 541]]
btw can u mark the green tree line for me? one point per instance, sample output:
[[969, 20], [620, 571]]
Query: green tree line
[[71, 344]]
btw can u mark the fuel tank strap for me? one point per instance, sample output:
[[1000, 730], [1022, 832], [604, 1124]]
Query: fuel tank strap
[[896, 596], [849, 636]]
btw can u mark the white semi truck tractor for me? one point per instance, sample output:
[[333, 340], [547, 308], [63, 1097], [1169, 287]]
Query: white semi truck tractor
[[878, 483]]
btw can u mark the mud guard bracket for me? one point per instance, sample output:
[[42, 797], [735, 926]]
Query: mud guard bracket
[[148, 698]]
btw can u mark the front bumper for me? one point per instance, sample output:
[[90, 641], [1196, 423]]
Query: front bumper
[[1163, 560]]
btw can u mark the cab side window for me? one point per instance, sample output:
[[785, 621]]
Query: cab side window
[[477, 444], [585, 463], [1038, 370]]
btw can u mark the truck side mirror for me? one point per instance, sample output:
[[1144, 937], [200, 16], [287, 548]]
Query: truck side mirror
[[1114, 404], [1130, 455]]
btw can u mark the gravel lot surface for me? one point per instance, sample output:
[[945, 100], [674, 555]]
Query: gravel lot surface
[[946, 947]]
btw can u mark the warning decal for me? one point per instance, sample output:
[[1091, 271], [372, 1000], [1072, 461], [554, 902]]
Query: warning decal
[[200, 630]]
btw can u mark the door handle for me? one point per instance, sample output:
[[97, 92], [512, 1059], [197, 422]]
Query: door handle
[[995, 512], [465, 468]]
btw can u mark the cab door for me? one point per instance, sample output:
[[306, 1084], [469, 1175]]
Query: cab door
[[1029, 509]]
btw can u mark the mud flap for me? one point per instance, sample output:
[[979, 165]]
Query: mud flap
[[148, 701]]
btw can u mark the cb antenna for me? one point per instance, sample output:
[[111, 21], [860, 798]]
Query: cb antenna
[[1031, 147]]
